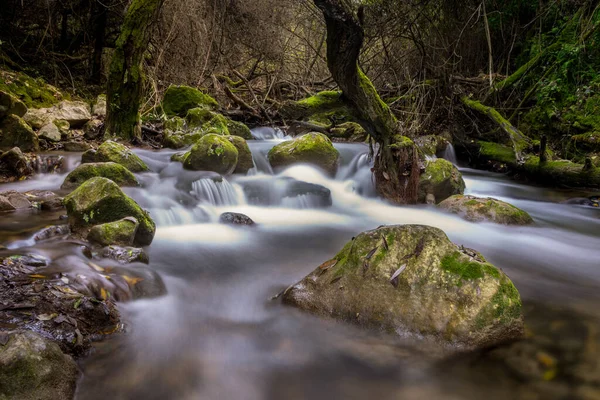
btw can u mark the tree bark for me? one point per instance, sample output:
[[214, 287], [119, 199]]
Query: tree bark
[[396, 162], [126, 76]]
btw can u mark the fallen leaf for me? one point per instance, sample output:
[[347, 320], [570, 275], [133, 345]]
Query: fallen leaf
[[328, 264], [131, 281], [368, 257], [394, 278], [46, 317]]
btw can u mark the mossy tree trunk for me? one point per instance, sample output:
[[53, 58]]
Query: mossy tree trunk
[[396, 162], [126, 77]]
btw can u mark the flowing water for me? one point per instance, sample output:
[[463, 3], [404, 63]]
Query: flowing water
[[218, 335]]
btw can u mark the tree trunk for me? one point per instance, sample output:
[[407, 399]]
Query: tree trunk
[[126, 77], [396, 162]]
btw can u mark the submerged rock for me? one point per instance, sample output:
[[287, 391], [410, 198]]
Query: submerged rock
[[115, 152], [273, 191], [411, 277], [441, 179], [34, 368], [113, 171], [18, 200], [477, 209], [212, 153], [232, 218], [100, 200], [120, 233], [179, 99], [312, 148], [14, 132]]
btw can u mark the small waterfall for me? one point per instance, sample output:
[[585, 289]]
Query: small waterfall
[[266, 133], [218, 192], [450, 154], [303, 201]]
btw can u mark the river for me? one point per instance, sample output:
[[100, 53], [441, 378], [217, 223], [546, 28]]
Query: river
[[217, 334]]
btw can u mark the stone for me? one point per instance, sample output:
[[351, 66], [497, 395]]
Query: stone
[[18, 200], [125, 255], [34, 368], [14, 132], [212, 153], [245, 161], [99, 108], [75, 146], [38, 117], [93, 129], [477, 209], [239, 129], [50, 132], [100, 200], [232, 218], [76, 113], [179, 99], [5, 204], [14, 160], [441, 179], [313, 148], [11, 105], [63, 126], [272, 191], [110, 151], [413, 278], [113, 171], [120, 233]]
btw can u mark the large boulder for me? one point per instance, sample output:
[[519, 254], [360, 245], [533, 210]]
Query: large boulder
[[50, 132], [212, 153], [14, 132], [10, 105], [245, 161], [413, 278], [239, 129], [115, 152], [76, 113], [100, 200], [113, 171], [440, 179], [120, 233], [312, 148], [477, 209], [179, 99], [34, 368]]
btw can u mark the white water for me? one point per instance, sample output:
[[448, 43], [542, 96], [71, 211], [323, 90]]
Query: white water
[[450, 154]]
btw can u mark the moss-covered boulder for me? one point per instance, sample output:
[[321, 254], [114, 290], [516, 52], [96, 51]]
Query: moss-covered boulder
[[440, 179], [179, 99], [212, 153], [14, 132], [312, 148], [239, 129], [119, 233], [245, 161], [477, 209], [413, 278], [180, 140], [113, 171], [348, 132], [35, 93], [11, 105], [34, 368], [320, 108], [100, 200], [115, 152], [15, 162]]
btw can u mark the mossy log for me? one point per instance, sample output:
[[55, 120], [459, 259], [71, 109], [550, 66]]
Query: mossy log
[[396, 163], [126, 77]]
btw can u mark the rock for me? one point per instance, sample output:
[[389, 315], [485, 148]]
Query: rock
[[63, 126], [178, 157], [93, 129], [38, 117], [120, 233], [14, 132], [10, 105], [431, 145], [14, 160], [52, 232], [179, 99], [125, 255], [89, 156], [312, 148], [76, 147], [99, 108], [50, 132], [53, 204], [430, 198], [273, 190], [348, 132], [18, 200], [411, 277], [100, 200], [174, 124], [477, 209], [239, 129], [35, 368], [442, 179], [212, 153], [5, 204], [76, 113], [117, 153], [205, 122], [245, 161], [232, 218], [113, 171], [181, 139]]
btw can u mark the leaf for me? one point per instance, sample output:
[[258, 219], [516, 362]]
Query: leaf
[[395, 275], [77, 303], [328, 264], [131, 281], [96, 267], [37, 276], [385, 243], [368, 257], [46, 317], [386, 176]]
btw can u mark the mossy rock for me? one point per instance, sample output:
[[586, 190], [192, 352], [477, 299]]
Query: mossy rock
[[119, 233], [34, 93], [489, 151], [11, 105], [412, 277], [34, 368], [430, 145], [312, 148], [561, 173], [349, 132], [212, 153], [100, 200], [113, 171], [110, 151], [197, 117], [180, 140], [477, 209], [441, 179], [587, 141], [174, 124], [239, 129], [245, 161], [178, 157], [14, 132], [179, 99]]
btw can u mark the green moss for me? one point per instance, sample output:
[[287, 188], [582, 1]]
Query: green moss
[[458, 264], [312, 148], [35, 93], [238, 129], [110, 151], [121, 233], [212, 152], [245, 161], [321, 108], [174, 124], [401, 142], [497, 152], [14, 132], [179, 99], [113, 171]]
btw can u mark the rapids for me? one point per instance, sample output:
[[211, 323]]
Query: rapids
[[217, 334]]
